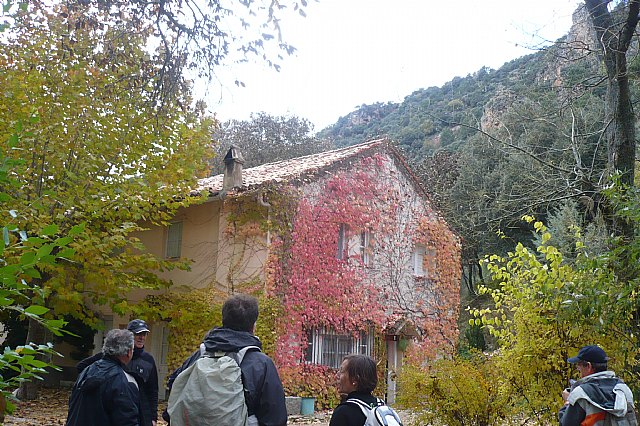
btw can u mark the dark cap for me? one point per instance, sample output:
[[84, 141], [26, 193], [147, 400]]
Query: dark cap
[[591, 353], [137, 326]]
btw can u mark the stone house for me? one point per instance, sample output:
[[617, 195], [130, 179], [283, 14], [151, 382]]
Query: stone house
[[345, 240]]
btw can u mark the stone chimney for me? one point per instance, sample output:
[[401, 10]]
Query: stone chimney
[[233, 162]]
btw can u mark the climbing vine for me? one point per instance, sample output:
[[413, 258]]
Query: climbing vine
[[439, 306], [320, 287], [339, 255], [188, 315]]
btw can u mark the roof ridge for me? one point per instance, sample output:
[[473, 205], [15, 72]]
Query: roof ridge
[[288, 169]]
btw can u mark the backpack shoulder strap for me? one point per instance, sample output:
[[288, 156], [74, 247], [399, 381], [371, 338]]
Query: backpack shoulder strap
[[239, 356], [364, 407], [236, 356]]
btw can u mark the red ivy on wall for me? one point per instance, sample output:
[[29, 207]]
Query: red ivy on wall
[[319, 289]]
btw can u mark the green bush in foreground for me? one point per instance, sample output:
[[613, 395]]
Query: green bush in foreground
[[456, 391]]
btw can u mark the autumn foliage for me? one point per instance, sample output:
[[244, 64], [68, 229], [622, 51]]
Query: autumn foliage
[[371, 283]]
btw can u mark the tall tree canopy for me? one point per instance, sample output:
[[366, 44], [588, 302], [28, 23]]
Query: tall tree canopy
[[200, 36], [99, 113], [92, 145], [265, 138]]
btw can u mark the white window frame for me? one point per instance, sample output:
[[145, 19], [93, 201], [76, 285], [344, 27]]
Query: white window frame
[[417, 260], [173, 243], [365, 248], [326, 347]]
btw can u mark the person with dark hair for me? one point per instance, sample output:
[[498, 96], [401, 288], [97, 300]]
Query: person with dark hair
[[104, 393], [358, 377], [264, 395], [143, 367], [598, 397]]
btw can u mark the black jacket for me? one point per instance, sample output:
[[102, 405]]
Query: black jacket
[[348, 413], [143, 367], [264, 394], [103, 395]]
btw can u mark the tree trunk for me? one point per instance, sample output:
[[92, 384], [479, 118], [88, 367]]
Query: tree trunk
[[39, 335], [614, 41]]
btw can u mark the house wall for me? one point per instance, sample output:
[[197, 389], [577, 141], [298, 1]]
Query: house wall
[[220, 254], [242, 250], [401, 209], [392, 248], [200, 240]]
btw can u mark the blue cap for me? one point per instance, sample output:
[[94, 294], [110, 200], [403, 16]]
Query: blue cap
[[591, 353]]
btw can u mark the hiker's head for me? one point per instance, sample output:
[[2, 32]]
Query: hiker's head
[[140, 329], [590, 359], [358, 373], [118, 344], [240, 312]]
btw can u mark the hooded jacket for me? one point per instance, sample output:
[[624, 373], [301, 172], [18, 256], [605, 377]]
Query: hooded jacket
[[595, 396], [264, 395], [104, 395], [143, 367]]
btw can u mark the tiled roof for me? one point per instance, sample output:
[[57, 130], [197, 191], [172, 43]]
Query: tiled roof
[[287, 170]]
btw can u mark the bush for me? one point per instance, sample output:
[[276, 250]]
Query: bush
[[310, 380], [456, 392]]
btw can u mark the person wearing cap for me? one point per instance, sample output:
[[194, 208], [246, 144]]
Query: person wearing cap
[[143, 367], [597, 395]]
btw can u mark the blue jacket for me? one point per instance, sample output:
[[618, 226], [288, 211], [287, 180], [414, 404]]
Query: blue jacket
[[143, 367], [104, 395], [264, 395]]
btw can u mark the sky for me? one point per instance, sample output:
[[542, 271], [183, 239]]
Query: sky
[[354, 52]]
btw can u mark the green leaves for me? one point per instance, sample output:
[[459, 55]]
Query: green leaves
[[545, 308], [35, 310]]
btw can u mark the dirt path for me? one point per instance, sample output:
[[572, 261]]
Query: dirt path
[[50, 409]]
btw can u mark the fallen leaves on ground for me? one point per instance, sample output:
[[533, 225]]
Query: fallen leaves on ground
[[50, 409]]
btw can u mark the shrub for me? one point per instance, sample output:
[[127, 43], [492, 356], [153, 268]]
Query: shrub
[[456, 392], [310, 380]]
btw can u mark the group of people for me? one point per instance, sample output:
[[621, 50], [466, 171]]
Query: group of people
[[119, 386]]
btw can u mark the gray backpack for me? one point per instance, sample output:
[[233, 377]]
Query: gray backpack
[[628, 420], [210, 392], [378, 415]]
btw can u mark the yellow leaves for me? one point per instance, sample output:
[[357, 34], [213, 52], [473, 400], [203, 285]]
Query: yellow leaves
[[470, 389]]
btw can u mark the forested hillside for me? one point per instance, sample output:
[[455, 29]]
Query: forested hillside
[[427, 120], [526, 138]]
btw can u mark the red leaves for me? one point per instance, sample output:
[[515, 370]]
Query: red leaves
[[319, 289]]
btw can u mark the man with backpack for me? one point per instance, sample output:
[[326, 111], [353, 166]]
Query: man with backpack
[[598, 397], [228, 380]]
